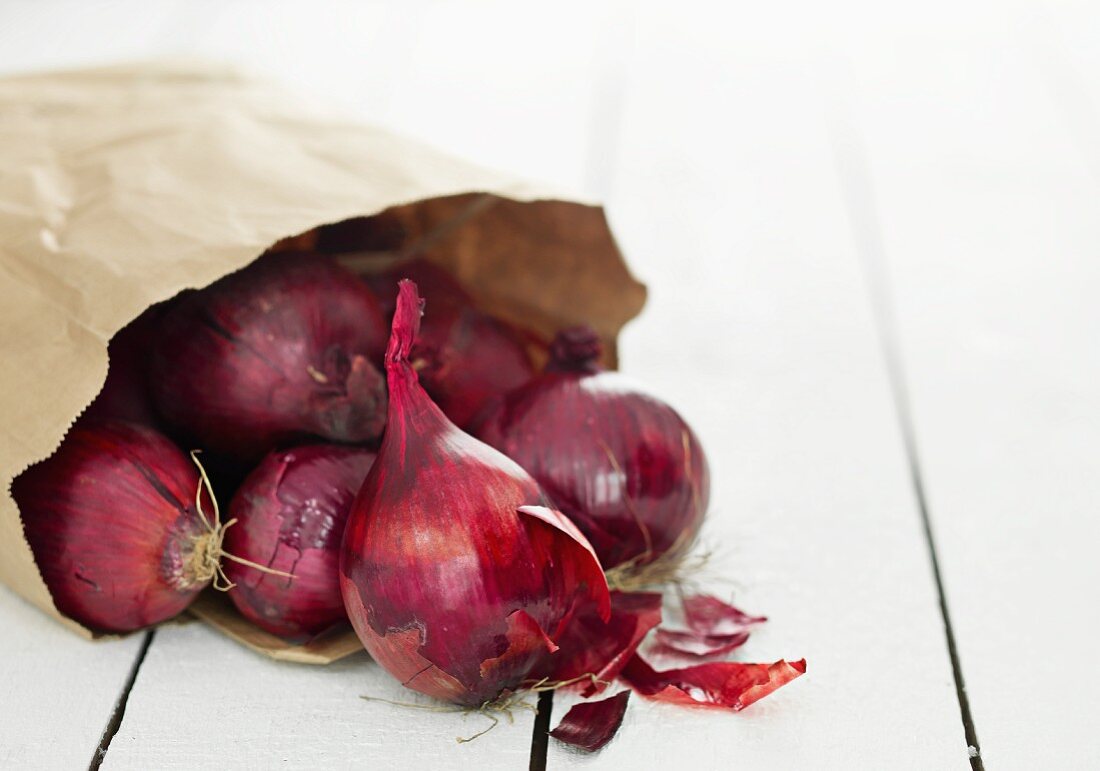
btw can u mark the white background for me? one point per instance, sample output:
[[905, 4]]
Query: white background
[[871, 235]]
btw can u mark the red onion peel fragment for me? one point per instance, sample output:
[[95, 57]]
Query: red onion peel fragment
[[590, 725], [720, 685], [591, 646], [709, 615], [714, 628], [693, 644]]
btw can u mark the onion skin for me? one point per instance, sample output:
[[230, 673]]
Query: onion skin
[[455, 572], [111, 520], [621, 463], [291, 512], [465, 358], [277, 352], [590, 725]]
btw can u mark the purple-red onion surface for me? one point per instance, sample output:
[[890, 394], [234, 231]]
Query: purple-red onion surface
[[465, 358], [125, 393], [277, 352], [291, 512], [621, 463], [456, 573], [112, 523]]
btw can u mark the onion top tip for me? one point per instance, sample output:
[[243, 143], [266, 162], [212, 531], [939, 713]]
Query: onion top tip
[[406, 322]]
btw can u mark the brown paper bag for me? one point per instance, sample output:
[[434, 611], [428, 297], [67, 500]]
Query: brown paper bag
[[121, 186]]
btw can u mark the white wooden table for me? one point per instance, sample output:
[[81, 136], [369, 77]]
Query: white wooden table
[[872, 240]]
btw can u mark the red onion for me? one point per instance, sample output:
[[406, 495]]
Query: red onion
[[455, 572], [465, 358], [620, 463], [112, 521], [125, 393], [273, 353], [290, 515], [591, 725]]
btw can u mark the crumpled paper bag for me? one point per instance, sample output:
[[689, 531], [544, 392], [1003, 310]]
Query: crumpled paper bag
[[121, 186]]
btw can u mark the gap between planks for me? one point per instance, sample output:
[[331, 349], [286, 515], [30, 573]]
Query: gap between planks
[[858, 194], [540, 737], [119, 711]]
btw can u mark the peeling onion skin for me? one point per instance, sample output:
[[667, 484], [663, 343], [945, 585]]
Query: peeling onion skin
[[621, 463], [465, 358], [111, 520], [275, 353], [456, 574], [602, 648], [291, 512]]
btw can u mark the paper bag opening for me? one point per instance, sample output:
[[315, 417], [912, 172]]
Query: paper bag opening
[[120, 187]]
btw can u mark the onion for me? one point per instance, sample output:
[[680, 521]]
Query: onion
[[125, 393], [276, 352], [455, 572], [290, 515], [112, 521], [465, 358], [621, 463]]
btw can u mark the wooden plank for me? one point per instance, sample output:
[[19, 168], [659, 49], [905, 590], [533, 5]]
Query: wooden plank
[[988, 210], [201, 701], [57, 690], [760, 331]]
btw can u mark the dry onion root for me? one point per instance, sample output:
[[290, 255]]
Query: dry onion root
[[208, 553]]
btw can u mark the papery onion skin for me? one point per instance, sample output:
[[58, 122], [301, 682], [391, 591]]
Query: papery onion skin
[[465, 358], [591, 725], [601, 647], [455, 573], [275, 353], [715, 628], [291, 512], [716, 685], [706, 614], [621, 463], [111, 520]]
